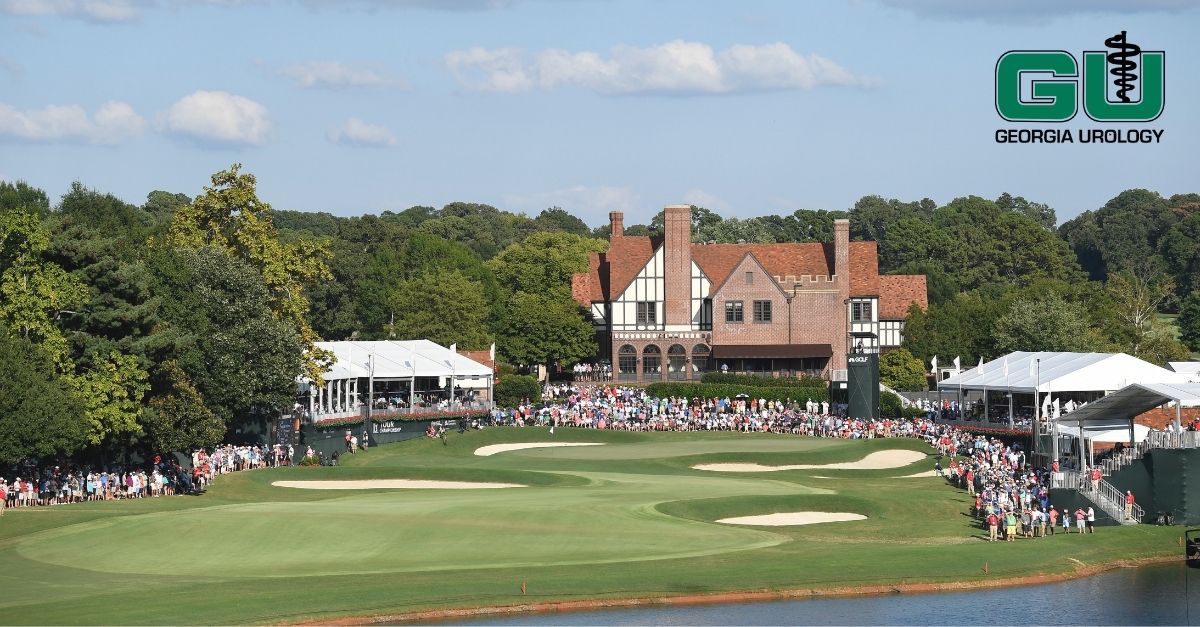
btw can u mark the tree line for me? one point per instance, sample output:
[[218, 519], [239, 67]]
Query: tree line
[[182, 321]]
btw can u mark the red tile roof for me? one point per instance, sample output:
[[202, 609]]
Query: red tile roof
[[626, 256], [864, 269], [718, 260], [898, 291]]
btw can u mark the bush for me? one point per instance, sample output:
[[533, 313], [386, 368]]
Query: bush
[[891, 406], [724, 390], [763, 381], [514, 388]]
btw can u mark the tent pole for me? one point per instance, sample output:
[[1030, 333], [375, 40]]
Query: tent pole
[[986, 411], [1010, 408]]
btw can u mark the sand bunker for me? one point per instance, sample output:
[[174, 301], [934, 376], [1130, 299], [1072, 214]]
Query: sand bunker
[[927, 473], [406, 484], [878, 460], [492, 449], [784, 519]]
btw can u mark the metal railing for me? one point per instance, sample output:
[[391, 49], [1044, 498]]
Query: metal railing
[[1171, 440], [1108, 498]]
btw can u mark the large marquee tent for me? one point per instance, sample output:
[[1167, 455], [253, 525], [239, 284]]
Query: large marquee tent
[[1053, 372], [356, 364]]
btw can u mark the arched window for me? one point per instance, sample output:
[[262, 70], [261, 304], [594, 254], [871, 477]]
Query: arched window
[[627, 363], [676, 362], [652, 362], [700, 358]]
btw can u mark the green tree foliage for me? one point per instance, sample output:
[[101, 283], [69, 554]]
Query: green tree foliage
[[39, 412], [218, 325], [544, 262], [1180, 251], [176, 418], [111, 394], [1039, 212], [900, 370], [34, 292], [229, 216], [544, 328], [443, 306], [20, 195], [1045, 323], [557, 219], [1137, 293], [1189, 321], [1125, 230], [162, 205], [515, 389]]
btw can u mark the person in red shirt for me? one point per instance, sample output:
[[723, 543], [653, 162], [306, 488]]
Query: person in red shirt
[[1095, 476], [1053, 519], [993, 522], [1129, 504]]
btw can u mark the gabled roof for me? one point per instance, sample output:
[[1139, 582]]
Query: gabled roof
[[1119, 408], [898, 291], [718, 260], [864, 269], [715, 288], [626, 256], [1061, 372]]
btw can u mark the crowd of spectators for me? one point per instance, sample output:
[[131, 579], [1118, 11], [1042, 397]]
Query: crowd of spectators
[[34, 484], [589, 372]]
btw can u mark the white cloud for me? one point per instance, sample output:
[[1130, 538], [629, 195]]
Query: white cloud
[[334, 75], [679, 67], [358, 133], [218, 117], [107, 11], [591, 204], [112, 123], [701, 198]]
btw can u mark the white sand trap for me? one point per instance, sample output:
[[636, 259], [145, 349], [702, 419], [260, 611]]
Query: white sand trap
[[406, 484], [927, 473], [878, 460], [784, 519], [492, 449]]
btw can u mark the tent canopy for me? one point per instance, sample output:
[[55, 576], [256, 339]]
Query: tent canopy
[[1118, 409], [399, 360], [1022, 372]]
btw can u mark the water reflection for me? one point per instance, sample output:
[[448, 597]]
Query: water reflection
[[1155, 595]]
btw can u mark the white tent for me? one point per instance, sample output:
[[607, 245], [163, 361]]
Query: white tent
[[1190, 368], [398, 360], [356, 363], [1060, 372]]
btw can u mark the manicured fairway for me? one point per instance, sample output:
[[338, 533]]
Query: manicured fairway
[[625, 519]]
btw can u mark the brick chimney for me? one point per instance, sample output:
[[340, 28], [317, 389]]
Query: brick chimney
[[841, 249], [841, 267], [677, 267], [616, 222]]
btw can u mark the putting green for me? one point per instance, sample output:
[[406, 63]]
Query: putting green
[[612, 519]]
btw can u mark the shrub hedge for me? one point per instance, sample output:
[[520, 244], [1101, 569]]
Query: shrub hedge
[[514, 388], [763, 381], [723, 390]]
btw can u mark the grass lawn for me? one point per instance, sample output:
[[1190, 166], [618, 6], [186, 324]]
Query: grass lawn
[[630, 518]]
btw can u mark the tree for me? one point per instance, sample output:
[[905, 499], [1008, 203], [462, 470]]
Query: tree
[[1045, 323], [1189, 321], [111, 394], [443, 306], [1041, 213], [544, 262], [22, 195], [900, 370], [1137, 292], [514, 389], [34, 292], [229, 216], [218, 325], [177, 419], [39, 412], [557, 219], [544, 328]]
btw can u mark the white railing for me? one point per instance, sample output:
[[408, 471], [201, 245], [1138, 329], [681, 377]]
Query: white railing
[[1108, 497], [1171, 440]]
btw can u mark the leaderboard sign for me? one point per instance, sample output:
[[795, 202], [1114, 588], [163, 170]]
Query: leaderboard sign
[[863, 385]]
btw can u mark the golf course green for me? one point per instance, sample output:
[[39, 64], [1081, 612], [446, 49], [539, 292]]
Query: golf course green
[[628, 518]]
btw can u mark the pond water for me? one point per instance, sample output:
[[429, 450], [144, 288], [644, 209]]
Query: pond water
[[1154, 595]]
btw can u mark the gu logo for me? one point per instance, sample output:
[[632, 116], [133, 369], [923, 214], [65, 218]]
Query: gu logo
[[1055, 98]]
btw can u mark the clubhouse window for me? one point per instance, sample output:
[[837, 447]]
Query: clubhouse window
[[762, 311], [733, 311], [647, 313]]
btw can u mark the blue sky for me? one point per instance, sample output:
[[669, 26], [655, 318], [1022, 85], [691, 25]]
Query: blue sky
[[747, 108]]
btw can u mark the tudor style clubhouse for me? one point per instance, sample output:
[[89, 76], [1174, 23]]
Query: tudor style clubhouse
[[666, 308]]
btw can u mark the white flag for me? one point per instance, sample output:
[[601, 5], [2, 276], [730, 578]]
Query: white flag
[[1006, 367], [453, 354], [1046, 405], [957, 364], [981, 363], [935, 365], [1032, 367], [1057, 408], [492, 352]]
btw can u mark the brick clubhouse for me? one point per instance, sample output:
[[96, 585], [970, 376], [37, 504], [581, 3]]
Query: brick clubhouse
[[666, 308]]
